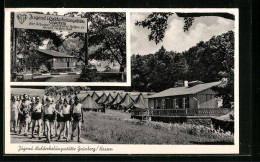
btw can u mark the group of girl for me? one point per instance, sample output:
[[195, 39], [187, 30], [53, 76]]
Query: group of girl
[[44, 116]]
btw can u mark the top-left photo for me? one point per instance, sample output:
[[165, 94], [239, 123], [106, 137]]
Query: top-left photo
[[67, 46]]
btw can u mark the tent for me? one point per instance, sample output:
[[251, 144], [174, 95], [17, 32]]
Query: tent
[[113, 94], [140, 103], [117, 99], [89, 104], [81, 96], [225, 122], [109, 99], [95, 96], [127, 100], [102, 99], [134, 95]]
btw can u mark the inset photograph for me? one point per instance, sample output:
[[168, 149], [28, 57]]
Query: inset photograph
[[68, 47], [117, 115]]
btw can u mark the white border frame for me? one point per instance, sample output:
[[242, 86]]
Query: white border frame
[[11, 148]]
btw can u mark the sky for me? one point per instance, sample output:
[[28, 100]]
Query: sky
[[175, 38]]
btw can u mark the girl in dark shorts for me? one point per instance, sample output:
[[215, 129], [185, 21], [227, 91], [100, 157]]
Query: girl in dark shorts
[[77, 118], [66, 112], [37, 112], [48, 110], [24, 112], [59, 118]]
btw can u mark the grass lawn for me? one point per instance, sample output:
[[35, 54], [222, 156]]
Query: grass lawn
[[63, 78], [75, 78], [31, 92], [116, 127]]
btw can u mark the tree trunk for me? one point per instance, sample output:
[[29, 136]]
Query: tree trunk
[[121, 69]]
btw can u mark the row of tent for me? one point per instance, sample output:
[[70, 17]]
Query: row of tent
[[94, 101]]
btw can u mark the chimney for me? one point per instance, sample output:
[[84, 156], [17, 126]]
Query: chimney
[[186, 83]]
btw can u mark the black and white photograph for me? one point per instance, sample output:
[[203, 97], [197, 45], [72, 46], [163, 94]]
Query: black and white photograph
[[68, 46], [183, 95], [92, 115]]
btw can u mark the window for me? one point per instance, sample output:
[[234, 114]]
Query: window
[[186, 102], [155, 104], [167, 103], [174, 103], [163, 103], [179, 103], [158, 104]]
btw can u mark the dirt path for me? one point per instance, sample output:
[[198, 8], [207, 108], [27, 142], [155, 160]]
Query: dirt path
[[28, 140]]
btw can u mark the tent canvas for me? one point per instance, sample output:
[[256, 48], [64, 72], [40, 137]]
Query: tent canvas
[[109, 99], [102, 98], [95, 96], [113, 94], [117, 99], [81, 96], [127, 100], [89, 103], [139, 103], [134, 96]]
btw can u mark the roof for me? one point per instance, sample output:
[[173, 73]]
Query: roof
[[227, 117], [53, 53], [185, 90]]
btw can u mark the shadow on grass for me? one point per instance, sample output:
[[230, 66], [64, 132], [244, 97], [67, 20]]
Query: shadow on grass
[[212, 143], [37, 79]]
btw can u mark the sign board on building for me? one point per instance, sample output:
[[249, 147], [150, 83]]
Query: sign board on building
[[49, 22]]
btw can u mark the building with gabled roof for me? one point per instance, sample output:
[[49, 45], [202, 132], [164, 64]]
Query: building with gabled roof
[[53, 60], [193, 95]]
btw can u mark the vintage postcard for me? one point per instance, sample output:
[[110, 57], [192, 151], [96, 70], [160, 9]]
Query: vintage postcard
[[183, 96]]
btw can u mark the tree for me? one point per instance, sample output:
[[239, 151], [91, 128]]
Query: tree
[[28, 41], [157, 72], [64, 90], [207, 61], [107, 36], [157, 22]]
